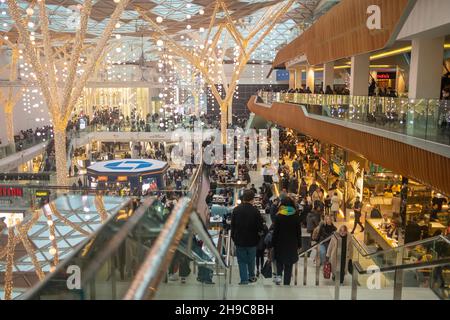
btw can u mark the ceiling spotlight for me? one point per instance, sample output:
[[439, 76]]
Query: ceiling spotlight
[[117, 25], [188, 16], [116, 1], [159, 43], [159, 19], [201, 11], [202, 29], [31, 24], [118, 49], [30, 11], [118, 36], [188, 27]]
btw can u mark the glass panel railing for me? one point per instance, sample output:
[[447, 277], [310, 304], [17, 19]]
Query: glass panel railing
[[426, 250], [420, 267], [39, 239], [427, 119], [23, 144], [107, 263], [194, 272], [426, 280]]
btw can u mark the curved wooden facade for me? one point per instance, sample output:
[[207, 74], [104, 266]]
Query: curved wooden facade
[[342, 32], [409, 161]]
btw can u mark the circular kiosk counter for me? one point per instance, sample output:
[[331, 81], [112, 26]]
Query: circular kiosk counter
[[136, 174]]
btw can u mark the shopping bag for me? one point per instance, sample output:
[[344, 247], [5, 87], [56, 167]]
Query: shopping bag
[[327, 270], [267, 269]]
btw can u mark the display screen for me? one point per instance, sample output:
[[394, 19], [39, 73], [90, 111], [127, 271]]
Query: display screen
[[282, 75], [149, 184]]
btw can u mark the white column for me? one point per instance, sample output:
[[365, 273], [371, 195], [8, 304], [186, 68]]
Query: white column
[[426, 68], [310, 78], [298, 78], [291, 79], [328, 75], [359, 79]]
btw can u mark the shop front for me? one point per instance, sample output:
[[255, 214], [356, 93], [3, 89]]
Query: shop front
[[400, 210]]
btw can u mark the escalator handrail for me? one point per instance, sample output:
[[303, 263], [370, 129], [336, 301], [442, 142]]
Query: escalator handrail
[[427, 264], [28, 295], [118, 239], [203, 233], [159, 256], [314, 246]]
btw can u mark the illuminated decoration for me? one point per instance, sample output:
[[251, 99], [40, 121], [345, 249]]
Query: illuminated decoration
[[10, 249], [100, 207], [30, 251], [57, 214], [62, 102], [207, 61], [10, 99]]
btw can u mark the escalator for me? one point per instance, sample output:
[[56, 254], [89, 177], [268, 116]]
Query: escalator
[[131, 253]]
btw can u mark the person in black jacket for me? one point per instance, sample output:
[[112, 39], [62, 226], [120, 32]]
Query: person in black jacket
[[246, 228], [287, 239]]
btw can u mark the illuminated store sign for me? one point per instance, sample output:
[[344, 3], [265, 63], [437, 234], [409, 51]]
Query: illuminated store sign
[[42, 194], [11, 192], [386, 76]]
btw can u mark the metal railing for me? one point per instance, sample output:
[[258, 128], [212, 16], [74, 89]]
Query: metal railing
[[304, 254], [396, 260], [427, 119], [152, 271]]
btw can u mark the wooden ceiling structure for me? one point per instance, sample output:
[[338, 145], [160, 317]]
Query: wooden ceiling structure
[[342, 32]]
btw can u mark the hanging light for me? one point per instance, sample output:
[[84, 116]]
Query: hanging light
[[30, 11], [159, 19]]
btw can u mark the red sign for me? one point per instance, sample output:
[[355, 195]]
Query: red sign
[[11, 192], [386, 75]]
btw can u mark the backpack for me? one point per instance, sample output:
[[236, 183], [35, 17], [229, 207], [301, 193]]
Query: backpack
[[268, 239], [316, 233]]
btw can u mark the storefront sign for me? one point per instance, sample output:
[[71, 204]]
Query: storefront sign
[[42, 193], [122, 179], [386, 75], [11, 192]]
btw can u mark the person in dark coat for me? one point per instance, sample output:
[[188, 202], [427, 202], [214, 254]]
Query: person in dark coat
[[246, 228], [303, 188], [286, 240]]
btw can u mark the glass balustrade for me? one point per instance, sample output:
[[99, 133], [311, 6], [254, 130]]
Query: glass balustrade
[[403, 265], [427, 119]]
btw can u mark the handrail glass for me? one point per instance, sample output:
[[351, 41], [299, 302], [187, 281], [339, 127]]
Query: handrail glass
[[427, 119], [426, 264], [107, 262]]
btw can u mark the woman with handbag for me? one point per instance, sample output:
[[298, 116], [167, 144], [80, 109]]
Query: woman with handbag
[[346, 253]]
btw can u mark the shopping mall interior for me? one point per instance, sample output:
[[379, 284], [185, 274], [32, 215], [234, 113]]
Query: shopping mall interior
[[224, 150]]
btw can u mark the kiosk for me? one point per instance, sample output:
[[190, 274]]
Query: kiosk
[[136, 174]]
